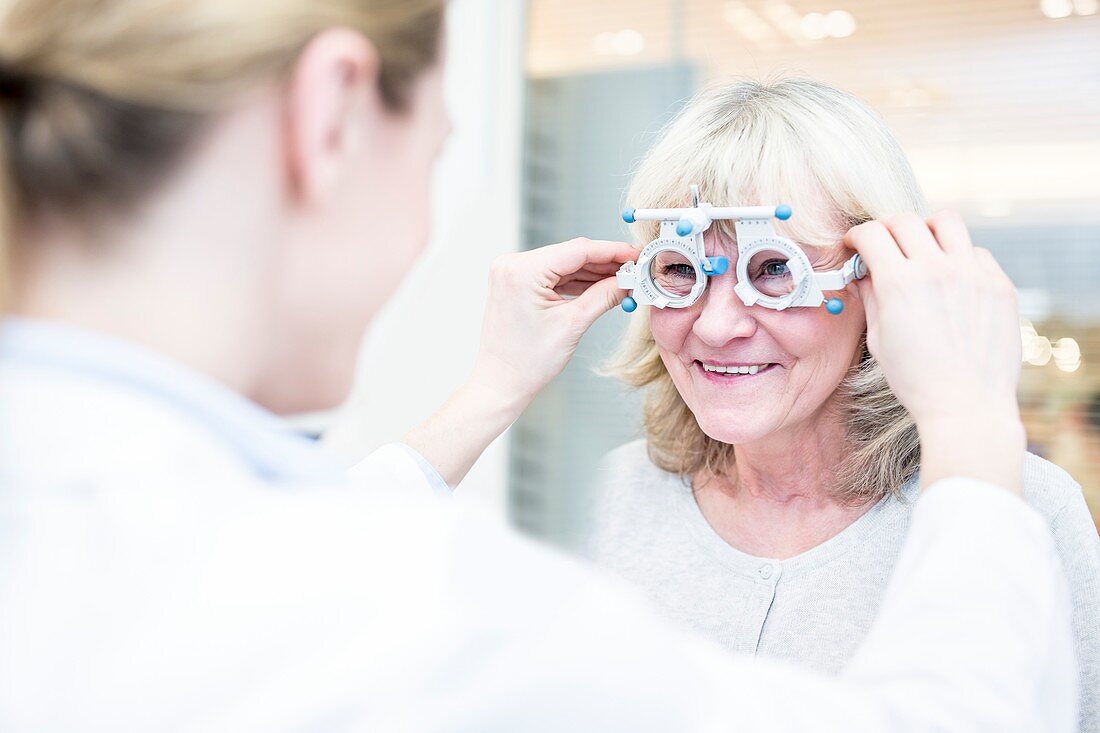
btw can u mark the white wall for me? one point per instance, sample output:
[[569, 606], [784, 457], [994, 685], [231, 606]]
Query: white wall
[[423, 346]]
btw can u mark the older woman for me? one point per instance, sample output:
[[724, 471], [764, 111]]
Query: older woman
[[766, 509]]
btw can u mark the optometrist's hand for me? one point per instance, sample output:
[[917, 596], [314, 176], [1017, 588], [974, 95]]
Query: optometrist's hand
[[943, 322], [540, 305]]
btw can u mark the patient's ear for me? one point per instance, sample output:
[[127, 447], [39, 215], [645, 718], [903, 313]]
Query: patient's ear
[[333, 103]]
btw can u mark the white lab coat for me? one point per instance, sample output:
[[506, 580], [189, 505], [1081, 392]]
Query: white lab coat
[[173, 559]]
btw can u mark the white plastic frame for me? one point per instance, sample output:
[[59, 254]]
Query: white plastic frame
[[755, 233]]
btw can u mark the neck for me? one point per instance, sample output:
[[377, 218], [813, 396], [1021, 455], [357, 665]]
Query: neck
[[158, 296], [780, 498]]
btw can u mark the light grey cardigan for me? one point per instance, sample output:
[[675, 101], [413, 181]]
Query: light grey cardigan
[[816, 607]]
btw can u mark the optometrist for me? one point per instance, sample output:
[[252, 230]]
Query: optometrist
[[203, 206]]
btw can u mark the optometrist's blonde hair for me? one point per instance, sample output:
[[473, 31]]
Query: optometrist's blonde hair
[[98, 97], [833, 159]]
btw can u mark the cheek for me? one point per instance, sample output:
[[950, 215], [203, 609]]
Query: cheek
[[386, 215], [825, 342], [670, 327], [406, 185], [847, 328]]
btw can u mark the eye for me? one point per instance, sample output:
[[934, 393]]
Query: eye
[[775, 268], [680, 270], [673, 273], [769, 273]]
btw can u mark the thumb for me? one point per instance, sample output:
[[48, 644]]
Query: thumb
[[597, 300], [866, 291], [870, 311]]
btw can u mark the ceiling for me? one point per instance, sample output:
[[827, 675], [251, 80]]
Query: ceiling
[[995, 102]]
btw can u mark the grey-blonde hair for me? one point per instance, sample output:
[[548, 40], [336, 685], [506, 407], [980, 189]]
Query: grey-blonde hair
[[833, 159]]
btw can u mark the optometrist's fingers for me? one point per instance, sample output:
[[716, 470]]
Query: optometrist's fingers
[[866, 293], [540, 304], [592, 272], [596, 300], [912, 235], [577, 280], [1004, 291], [572, 284], [987, 262], [874, 243], [574, 288], [568, 257], [609, 268], [992, 270], [950, 232]]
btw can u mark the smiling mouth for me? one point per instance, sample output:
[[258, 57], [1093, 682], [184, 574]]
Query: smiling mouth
[[733, 371]]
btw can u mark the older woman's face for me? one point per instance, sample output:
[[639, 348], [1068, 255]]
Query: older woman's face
[[803, 353]]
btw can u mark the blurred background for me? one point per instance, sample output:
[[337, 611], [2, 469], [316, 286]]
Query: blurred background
[[997, 103]]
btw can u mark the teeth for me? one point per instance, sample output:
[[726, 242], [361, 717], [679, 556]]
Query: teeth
[[733, 369]]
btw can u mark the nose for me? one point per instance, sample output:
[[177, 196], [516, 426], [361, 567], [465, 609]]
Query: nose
[[723, 317]]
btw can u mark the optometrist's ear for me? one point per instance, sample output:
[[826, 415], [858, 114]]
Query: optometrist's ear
[[333, 101]]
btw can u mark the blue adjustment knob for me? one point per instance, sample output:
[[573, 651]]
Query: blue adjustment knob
[[629, 304], [715, 266], [628, 216], [783, 212], [685, 227], [834, 306]]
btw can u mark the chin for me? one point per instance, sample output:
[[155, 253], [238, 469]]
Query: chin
[[322, 383], [328, 398], [734, 429], [300, 398], [331, 387]]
